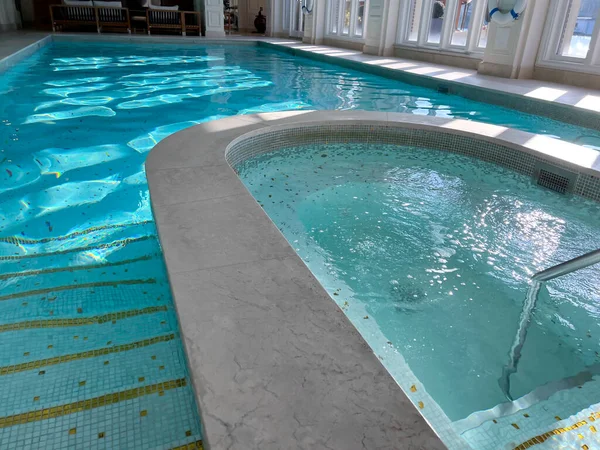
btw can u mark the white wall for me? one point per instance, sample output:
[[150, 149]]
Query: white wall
[[248, 9], [9, 18]]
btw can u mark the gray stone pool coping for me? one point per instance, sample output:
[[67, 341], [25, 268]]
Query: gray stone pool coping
[[16, 46], [275, 362]]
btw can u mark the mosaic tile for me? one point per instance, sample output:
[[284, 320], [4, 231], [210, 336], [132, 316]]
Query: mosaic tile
[[74, 348], [585, 185]]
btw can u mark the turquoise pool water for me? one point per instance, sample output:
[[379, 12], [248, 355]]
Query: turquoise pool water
[[85, 305], [430, 254]]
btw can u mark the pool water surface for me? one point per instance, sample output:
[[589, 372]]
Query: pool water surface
[[91, 354]]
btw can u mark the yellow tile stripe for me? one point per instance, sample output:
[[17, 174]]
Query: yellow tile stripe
[[543, 437], [6, 370], [30, 273], [79, 321], [84, 405], [191, 446], [75, 286], [119, 243], [24, 241]]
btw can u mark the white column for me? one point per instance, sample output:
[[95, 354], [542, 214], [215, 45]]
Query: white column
[[273, 12], [309, 28], [382, 24], [212, 11], [314, 24], [512, 49], [279, 18]]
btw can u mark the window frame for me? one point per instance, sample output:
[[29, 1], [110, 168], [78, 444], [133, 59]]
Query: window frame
[[343, 18], [548, 55], [473, 33], [470, 48], [339, 20], [354, 18], [331, 20]]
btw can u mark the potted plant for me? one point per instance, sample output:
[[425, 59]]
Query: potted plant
[[260, 23]]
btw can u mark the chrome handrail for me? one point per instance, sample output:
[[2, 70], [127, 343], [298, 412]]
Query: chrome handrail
[[568, 266]]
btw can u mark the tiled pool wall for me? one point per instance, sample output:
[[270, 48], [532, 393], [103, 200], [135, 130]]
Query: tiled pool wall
[[557, 422], [531, 422], [87, 363], [539, 107], [585, 185]]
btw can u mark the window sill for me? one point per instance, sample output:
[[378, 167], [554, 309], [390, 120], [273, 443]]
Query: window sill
[[569, 65], [445, 51], [339, 37]]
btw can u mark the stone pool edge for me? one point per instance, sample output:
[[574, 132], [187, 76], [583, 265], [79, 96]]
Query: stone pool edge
[[18, 56], [274, 361]]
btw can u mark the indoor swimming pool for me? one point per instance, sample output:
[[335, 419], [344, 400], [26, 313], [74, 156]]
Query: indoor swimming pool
[[91, 354]]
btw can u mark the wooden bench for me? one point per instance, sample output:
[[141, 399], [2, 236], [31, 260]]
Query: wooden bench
[[181, 21], [62, 16]]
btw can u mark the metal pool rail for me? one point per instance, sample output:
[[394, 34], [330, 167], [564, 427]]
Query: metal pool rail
[[566, 267]]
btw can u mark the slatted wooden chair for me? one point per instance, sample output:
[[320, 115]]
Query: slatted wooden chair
[[191, 22], [62, 16], [99, 16], [181, 21], [115, 18]]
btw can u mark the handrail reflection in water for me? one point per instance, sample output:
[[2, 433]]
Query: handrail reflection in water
[[558, 270]]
